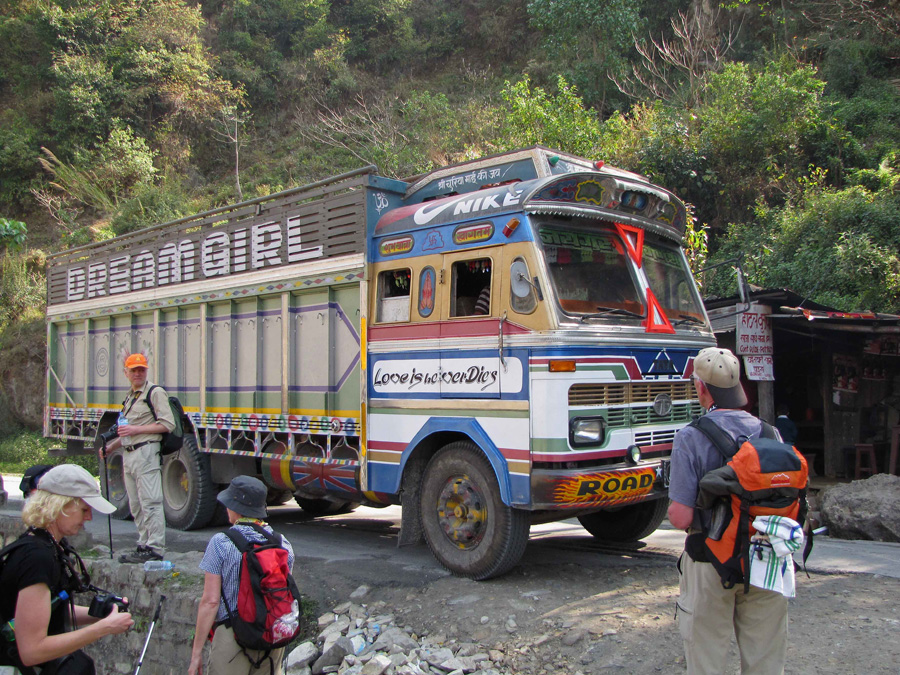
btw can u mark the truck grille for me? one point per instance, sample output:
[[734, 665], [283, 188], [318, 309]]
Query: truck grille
[[632, 404], [598, 394]]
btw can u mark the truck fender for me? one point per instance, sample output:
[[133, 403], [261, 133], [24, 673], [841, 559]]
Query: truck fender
[[473, 430]]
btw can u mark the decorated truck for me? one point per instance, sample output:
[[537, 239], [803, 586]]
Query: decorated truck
[[496, 343]]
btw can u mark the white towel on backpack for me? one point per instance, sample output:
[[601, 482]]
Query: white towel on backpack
[[771, 561]]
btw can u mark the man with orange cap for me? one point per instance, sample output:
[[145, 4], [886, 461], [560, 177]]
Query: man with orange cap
[[140, 433]]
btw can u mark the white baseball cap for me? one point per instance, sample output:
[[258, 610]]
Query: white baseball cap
[[720, 371], [71, 480]]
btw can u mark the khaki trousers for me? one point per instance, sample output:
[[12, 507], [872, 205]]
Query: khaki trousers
[[708, 614], [226, 657], [143, 483]]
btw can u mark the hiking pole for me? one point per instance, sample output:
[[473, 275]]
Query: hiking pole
[[149, 633], [108, 515]]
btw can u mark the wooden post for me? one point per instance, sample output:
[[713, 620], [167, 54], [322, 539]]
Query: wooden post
[[766, 399]]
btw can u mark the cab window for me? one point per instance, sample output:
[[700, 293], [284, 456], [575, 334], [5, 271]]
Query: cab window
[[393, 296], [470, 288]]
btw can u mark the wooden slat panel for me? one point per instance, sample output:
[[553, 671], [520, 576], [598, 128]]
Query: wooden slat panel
[[330, 215]]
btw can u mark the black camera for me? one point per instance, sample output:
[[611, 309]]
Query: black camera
[[103, 602], [110, 434]]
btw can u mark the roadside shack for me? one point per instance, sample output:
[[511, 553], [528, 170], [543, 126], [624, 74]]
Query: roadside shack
[[837, 372]]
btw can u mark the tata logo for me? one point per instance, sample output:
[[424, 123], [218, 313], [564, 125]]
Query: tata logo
[[662, 405]]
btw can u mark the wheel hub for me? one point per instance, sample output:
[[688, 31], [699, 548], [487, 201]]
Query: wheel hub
[[462, 512]]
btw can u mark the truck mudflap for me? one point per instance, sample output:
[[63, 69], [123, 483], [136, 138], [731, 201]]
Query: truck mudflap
[[607, 487]]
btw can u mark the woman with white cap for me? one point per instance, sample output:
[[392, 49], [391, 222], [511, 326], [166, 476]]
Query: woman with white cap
[[42, 572]]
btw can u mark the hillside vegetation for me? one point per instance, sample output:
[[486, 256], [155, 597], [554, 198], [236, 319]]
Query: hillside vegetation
[[779, 123]]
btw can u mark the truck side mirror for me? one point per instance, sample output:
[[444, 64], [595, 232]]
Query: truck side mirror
[[743, 288], [519, 283]]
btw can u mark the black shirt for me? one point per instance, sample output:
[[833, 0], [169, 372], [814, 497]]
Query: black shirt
[[35, 562]]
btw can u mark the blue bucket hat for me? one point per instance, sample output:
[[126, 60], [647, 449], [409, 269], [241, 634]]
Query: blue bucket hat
[[245, 495]]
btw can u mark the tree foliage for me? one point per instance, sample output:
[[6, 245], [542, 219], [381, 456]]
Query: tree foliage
[[558, 120], [838, 247], [778, 123]]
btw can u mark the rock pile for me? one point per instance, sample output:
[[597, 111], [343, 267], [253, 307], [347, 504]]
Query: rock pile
[[360, 639], [864, 509]]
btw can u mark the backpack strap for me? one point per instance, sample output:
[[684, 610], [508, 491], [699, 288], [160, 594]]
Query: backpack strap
[[724, 443], [150, 403], [273, 538], [767, 431]]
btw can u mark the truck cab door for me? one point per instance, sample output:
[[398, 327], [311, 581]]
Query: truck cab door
[[470, 325]]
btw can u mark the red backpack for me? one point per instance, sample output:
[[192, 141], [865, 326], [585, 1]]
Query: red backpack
[[267, 615], [762, 477]]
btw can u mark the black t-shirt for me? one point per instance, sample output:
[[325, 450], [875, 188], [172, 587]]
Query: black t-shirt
[[36, 562]]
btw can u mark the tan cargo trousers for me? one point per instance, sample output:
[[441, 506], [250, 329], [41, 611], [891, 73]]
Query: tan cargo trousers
[[226, 657], [707, 613], [143, 483]]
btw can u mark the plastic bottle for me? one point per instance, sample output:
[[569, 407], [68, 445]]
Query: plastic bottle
[[286, 625], [8, 630], [158, 565]]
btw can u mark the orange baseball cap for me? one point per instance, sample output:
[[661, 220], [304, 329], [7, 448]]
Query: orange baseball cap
[[136, 361]]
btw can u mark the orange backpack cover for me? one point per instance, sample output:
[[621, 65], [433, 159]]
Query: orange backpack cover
[[763, 477]]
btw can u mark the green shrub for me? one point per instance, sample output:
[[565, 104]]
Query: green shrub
[[835, 247], [23, 449], [559, 120], [21, 286]]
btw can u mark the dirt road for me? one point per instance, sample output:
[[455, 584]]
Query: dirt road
[[615, 614], [569, 607]]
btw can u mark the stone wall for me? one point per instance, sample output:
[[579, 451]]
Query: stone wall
[[169, 647]]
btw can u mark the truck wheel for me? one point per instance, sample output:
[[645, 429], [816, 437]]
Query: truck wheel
[[275, 497], [626, 523], [189, 495], [112, 483], [324, 507], [468, 528]]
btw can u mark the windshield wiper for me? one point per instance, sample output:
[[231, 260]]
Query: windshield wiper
[[605, 311], [687, 318]]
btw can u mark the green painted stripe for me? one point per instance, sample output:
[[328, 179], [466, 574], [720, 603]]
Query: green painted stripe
[[552, 445]]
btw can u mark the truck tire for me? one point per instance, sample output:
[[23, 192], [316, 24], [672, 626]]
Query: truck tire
[[626, 523], [468, 528], [189, 495], [324, 507], [112, 483], [276, 497]]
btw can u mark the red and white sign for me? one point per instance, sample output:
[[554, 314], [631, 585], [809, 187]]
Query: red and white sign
[[759, 368], [754, 331]]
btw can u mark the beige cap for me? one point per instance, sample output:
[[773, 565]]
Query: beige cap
[[71, 480], [720, 371]]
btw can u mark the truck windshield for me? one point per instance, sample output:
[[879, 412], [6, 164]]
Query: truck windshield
[[590, 273], [671, 282]]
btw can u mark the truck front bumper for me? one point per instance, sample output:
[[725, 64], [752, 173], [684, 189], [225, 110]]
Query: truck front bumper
[[611, 486]]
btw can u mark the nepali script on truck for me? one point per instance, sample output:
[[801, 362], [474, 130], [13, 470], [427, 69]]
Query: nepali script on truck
[[496, 343]]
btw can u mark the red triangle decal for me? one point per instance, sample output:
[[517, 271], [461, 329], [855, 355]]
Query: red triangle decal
[[634, 241], [657, 321]]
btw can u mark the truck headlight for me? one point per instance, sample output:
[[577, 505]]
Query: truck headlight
[[586, 431]]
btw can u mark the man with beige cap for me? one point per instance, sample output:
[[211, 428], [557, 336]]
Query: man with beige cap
[[707, 612], [140, 433]]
